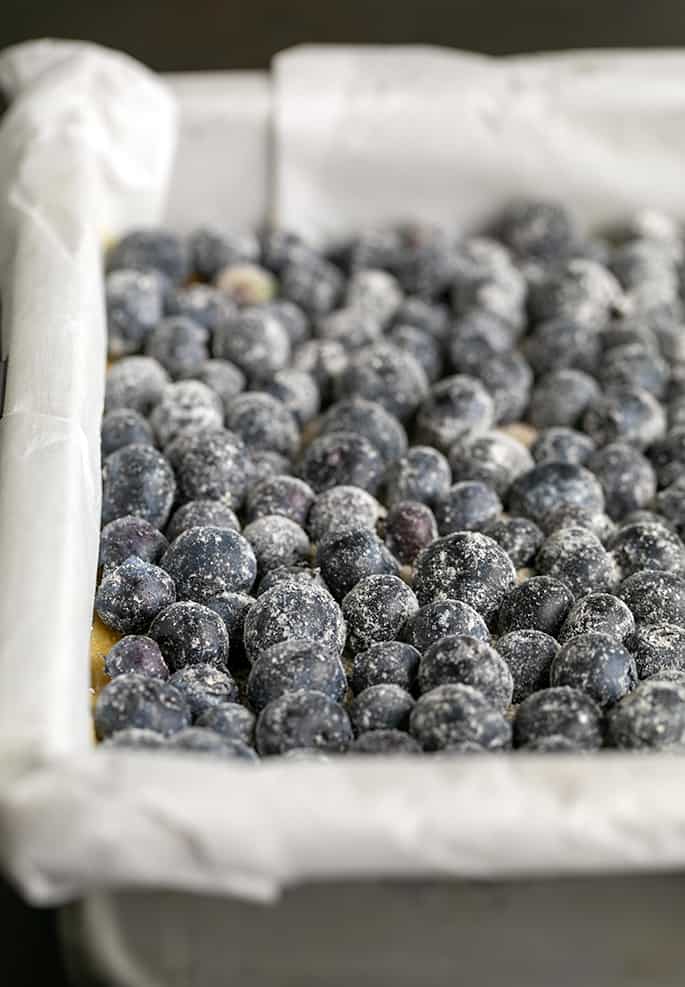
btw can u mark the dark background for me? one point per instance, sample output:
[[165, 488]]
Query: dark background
[[212, 34]]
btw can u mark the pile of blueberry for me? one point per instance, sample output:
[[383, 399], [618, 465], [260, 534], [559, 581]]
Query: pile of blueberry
[[419, 493]]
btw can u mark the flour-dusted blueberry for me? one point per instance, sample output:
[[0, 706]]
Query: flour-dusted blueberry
[[136, 382], [263, 463], [187, 405], [652, 717], [577, 557], [180, 345], [297, 391], [196, 513], [671, 504], [123, 427], [562, 445], [276, 541], [210, 465], [136, 653], [598, 665], [341, 459], [668, 456], [560, 345], [467, 506], [376, 609], [648, 273], [135, 738], [485, 277], [137, 480], [541, 603], [151, 249], [455, 407], [342, 508], [468, 661], [381, 707], [284, 495], [494, 458], [444, 618], [248, 285], [423, 474], [232, 607], [655, 596], [429, 317], [206, 561], [453, 714], [550, 485], [386, 374], [139, 701], [559, 399], [230, 720], [203, 304], [634, 365], [370, 420], [476, 337], [312, 283], [385, 742], [127, 536], [657, 648], [425, 268], [539, 229], [293, 320], [375, 248], [385, 662], [135, 304], [351, 327], [346, 556], [189, 633], [289, 666], [255, 341], [508, 379], [296, 571], [325, 360], [409, 528], [263, 422], [280, 247], [518, 536], [303, 719], [376, 293], [130, 596], [626, 415], [647, 546], [627, 477], [199, 740], [601, 613], [294, 609], [572, 516], [210, 250], [559, 712], [529, 655], [647, 517], [224, 378], [466, 566], [423, 346], [203, 686], [580, 289]]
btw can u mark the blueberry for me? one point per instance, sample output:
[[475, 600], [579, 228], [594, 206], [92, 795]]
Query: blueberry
[[137, 480], [550, 485], [303, 719], [312, 283], [376, 293], [559, 346], [529, 655], [128, 536], [211, 250], [180, 345], [297, 391], [210, 465], [466, 566], [652, 717], [284, 495], [635, 366], [422, 345], [196, 513], [444, 618], [230, 720], [136, 382], [297, 571], [409, 528], [134, 301], [671, 504], [347, 556], [184, 406], [232, 607], [453, 714], [370, 420], [135, 738], [415, 311], [508, 379], [255, 341], [223, 378], [485, 278], [189, 634], [130, 596], [135, 653], [341, 459], [562, 445], [561, 398], [202, 304], [293, 320], [293, 609], [203, 686], [202, 741], [423, 474], [376, 248], [264, 463], [468, 661], [582, 290], [467, 506], [205, 562], [138, 701], [246, 284], [655, 596], [627, 478], [559, 712], [376, 609], [263, 423], [351, 327], [325, 360], [425, 269], [384, 742], [626, 415], [385, 662], [455, 407], [476, 337], [280, 247], [494, 458], [541, 603], [123, 427], [572, 516], [387, 375], [647, 546], [577, 557], [657, 648], [290, 666], [539, 229], [668, 456], [599, 612], [381, 707], [155, 250], [519, 537], [276, 541], [598, 665]]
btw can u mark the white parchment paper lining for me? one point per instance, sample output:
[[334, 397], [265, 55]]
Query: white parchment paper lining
[[86, 150]]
